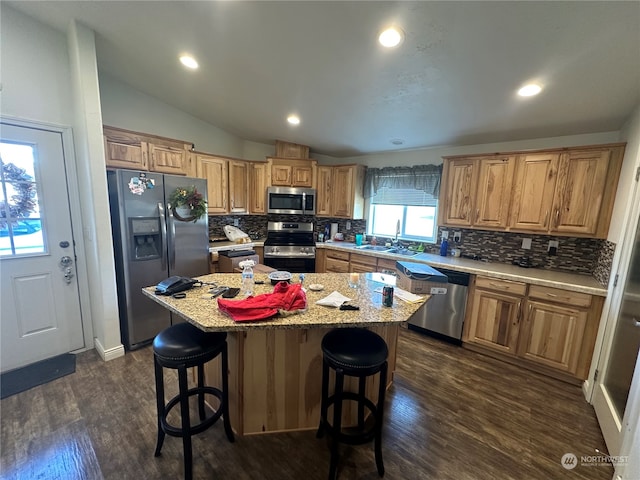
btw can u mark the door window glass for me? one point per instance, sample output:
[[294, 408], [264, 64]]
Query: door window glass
[[20, 221]]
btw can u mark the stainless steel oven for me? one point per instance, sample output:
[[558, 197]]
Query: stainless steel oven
[[289, 246]]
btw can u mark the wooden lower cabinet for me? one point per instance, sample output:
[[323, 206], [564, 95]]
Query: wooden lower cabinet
[[362, 263], [496, 309], [336, 262], [552, 335], [546, 329]]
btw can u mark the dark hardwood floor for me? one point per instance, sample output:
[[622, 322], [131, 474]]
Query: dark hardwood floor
[[451, 414]]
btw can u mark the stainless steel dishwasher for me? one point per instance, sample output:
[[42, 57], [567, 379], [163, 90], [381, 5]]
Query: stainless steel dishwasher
[[444, 314]]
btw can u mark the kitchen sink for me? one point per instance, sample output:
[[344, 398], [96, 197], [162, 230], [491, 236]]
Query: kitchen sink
[[374, 248], [402, 251]]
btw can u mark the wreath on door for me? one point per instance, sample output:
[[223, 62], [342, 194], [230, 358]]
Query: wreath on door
[[187, 204], [23, 202]]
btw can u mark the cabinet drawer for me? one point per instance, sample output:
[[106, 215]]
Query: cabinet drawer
[[363, 259], [386, 264], [336, 266], [560, 296], [504, 286], [338, 255]]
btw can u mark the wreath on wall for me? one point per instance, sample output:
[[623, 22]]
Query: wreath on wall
[[23, 202], [189, 200]]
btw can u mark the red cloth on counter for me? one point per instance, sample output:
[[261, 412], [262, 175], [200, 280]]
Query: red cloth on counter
[[285, 298]]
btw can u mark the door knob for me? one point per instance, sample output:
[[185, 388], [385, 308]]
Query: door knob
[[66, 261]]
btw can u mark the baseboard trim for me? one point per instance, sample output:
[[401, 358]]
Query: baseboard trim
[[110, 354]]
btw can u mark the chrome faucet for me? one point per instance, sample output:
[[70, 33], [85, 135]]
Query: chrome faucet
[[395, 242]]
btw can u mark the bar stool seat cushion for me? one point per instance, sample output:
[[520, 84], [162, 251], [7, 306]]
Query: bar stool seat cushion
[[354, 349], [184, 343]]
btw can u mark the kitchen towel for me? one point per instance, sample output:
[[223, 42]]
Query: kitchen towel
[[285, 300]]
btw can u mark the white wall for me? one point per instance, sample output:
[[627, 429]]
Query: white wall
[[128, 108], [36, 82], [434, 155]]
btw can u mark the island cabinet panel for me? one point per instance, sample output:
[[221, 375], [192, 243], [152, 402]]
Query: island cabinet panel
[[580, 192], [535, 182], [460, 182], [494, 192], [275, 379]]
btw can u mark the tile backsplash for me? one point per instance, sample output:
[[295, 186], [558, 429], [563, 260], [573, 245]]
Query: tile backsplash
[[575, 255]]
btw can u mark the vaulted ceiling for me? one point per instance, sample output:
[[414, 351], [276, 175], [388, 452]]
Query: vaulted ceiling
[[453, 80]]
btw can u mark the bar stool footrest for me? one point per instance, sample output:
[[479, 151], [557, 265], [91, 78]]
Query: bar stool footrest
[[357, 438], [198, 428]]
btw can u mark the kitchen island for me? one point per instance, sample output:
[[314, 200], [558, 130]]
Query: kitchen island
[[275, 365]]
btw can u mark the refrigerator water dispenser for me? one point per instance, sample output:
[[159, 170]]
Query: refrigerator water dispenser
[[145, 238]]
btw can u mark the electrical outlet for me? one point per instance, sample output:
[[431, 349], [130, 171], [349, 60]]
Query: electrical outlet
[[457, 236], [348, 225], [552, 249], [526, 243], [236, 222], [445, 234]]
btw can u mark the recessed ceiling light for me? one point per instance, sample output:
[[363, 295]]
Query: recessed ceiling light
[[530, 90], [293, 119], [189, 62], [391, 37]]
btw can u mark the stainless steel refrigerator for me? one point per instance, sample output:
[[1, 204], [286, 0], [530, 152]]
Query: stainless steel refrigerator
[[151, 244]]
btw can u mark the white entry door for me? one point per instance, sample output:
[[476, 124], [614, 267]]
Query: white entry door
[[40, 314]]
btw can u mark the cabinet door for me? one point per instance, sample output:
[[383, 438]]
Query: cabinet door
[[238, 187], [552, 335], [323, 204], [494, 192], [342, 188], [579, 192], [259, 181], [125, 153], [167, 159], [215, 171], [302, 177], [494, 321], [460, 186], [534, 185], [281, 175]]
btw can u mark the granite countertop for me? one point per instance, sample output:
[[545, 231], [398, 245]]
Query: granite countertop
[[535, 276], [199, 309]]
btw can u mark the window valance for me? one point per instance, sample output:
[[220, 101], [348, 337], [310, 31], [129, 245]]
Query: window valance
[[419, 177]]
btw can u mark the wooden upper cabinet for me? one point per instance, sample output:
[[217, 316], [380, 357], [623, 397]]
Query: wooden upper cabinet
[[140, 151], [259, 180], [347, 197], [281, 175], [534, 186], [238, 186], [124, 150], [493, 196], [580, 191], [167, 159], [287, 172], [324, 189], [215, 171], [460, 182]]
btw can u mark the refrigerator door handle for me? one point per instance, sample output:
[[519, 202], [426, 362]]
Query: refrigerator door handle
[[163, 234], [171, 224]]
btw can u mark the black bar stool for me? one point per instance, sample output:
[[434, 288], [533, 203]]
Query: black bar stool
[[180, 347], [353, 352]]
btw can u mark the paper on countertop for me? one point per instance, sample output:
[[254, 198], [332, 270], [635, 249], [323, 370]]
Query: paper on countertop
[[334, 299], [404, 295]]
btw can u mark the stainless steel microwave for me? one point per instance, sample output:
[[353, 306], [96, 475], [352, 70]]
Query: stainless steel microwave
[[291, 200]]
